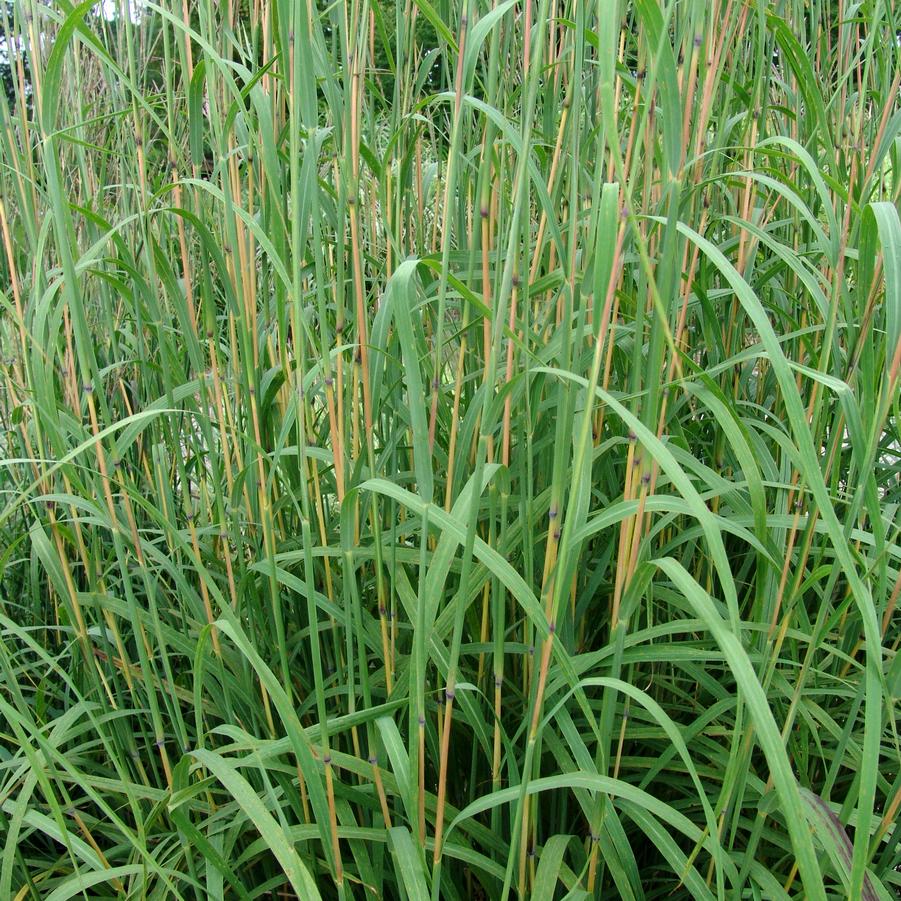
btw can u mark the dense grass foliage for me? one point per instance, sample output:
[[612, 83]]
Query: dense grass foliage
[[450, 449]]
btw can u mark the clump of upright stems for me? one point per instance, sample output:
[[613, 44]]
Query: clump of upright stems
[[450, 449]]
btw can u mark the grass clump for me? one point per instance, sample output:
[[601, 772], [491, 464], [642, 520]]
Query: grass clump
[[450, 450]]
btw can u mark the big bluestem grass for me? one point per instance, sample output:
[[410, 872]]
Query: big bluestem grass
[[450, 449]]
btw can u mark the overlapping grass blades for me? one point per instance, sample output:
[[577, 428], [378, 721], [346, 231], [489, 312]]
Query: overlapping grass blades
[[450, 449]]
